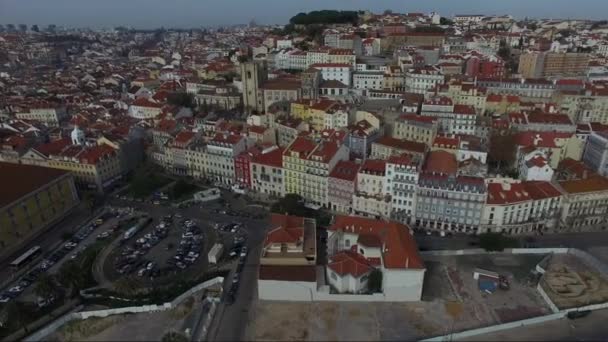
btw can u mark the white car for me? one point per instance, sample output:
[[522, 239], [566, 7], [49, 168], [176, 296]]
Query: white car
[[16, 289]]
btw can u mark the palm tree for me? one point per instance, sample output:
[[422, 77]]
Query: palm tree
[[45, 286], [72, 276]]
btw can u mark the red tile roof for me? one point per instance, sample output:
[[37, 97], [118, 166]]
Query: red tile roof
[[406, 145], [270, 157], [347, 262], [374, 166], [345, 170], [507, 193], [400, 249], [53, 147], [441, 162], [539, 190], [591, 184]]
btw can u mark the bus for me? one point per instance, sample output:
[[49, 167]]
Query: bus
[[26, 257]]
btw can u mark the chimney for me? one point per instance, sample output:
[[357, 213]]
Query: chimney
[[407, 262]]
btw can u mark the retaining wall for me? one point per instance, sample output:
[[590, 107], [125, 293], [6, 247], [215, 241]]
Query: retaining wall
[[52, 327]]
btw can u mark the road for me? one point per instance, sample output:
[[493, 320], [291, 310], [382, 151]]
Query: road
[[48, 241], [574, 240], [590, 328]]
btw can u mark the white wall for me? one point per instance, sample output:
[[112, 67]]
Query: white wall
[[286, 290], [402, 285]]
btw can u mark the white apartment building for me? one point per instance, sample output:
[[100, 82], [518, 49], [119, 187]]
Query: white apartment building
[[221, 151], [420, 80], [50, 116], [267, 172], [370, 198], [401, 184], [368, 80], [144, 109], [516, 207], [335, 71]]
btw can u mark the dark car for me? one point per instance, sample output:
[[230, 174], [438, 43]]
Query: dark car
[[578, 314]]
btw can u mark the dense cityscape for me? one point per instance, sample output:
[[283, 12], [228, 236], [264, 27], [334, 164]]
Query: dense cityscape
[[348, 176]]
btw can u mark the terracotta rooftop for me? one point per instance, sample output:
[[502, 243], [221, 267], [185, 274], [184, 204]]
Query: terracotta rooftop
[[345, 170], [591, 184], [400, 249], [347, 262], [441, 162]]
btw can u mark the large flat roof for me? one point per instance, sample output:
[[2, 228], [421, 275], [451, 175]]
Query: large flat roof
[[19, 180]]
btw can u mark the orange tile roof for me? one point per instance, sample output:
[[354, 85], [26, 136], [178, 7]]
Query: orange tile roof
[[591, 184], [400, 250]]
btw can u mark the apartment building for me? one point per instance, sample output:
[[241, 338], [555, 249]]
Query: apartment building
[[447, 202], [401, 184], [267, 172], [419, 80], [221, 151], [49, 114], [452, 119], [307, 164], [584, 204], [535, 64], [341, 186], [595, 155], [417, 128], [515, 207], [335, 72], [370, 198]]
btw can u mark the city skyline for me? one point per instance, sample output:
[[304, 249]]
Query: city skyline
[[191, 13]]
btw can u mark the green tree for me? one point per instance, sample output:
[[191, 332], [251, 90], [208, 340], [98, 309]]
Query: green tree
[[35, 28], [173, 336], [45, 286], [502, 151], [71, 276], [374, 282], [181, 99], [128, 285], [16, 312], [445, 21], [291, 204], [496, 242]]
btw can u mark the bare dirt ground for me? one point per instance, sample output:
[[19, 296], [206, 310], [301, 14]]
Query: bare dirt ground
[[130, 327], [569, 282], [451, 302]]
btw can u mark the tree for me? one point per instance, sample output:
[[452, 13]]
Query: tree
[[374, 282], [71, 275], [502, 150], [291, 204], [445, 21], [45, 286], [22, 27], [242, 59], [181, 99], [35, 28], [128, 285], [496, 242], [17, 314], [387, 12], [173, 336]]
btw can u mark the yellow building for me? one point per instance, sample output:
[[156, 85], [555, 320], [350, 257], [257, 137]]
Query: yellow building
[[416, 128], [307, 165], [463, 94], [32, 198]]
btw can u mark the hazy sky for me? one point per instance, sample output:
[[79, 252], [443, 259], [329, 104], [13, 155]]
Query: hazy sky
[[194, 13]]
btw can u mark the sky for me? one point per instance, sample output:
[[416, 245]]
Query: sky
[[197, 13]]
